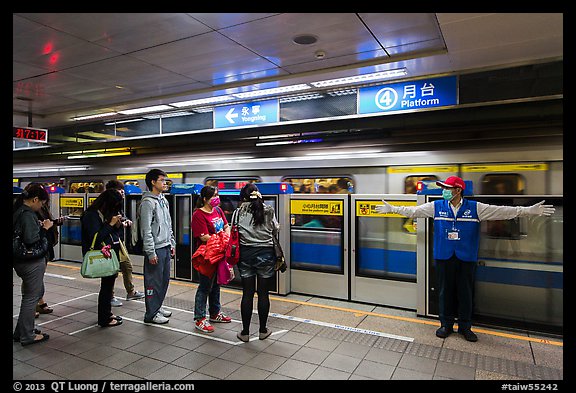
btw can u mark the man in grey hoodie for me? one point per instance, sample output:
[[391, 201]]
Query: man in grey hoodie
[[158, 245]]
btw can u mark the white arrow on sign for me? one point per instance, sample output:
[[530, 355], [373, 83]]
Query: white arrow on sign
[[230, 116]]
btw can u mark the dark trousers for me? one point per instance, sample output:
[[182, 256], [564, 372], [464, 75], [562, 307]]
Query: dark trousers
[[456, 291], [104, 299], [156, 281], [32, 275]]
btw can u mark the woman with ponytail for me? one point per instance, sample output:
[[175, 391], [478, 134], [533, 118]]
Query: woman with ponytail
[[256, 225]]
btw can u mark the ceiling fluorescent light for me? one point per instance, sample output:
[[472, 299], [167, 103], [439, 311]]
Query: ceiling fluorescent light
[[154, 108], [344, 152], [94, 116], [275, 90], [362, 78], [122, 121], [202, 101]]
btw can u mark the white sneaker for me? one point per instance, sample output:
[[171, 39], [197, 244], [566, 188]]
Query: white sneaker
[[115, 302], [165, 312], [159, 319]]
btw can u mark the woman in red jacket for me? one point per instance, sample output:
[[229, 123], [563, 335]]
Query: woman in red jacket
[[208, 219]]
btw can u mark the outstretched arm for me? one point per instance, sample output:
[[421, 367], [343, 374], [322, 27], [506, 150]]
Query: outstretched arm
[[420, 211], [493, 212]]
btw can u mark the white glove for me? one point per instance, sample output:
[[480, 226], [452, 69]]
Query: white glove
[[540, 209], [385, 208]]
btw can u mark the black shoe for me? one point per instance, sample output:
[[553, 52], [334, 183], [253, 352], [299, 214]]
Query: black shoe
[[468, 335], [44, 338], [17, 339], [444, 331], [113, 322]]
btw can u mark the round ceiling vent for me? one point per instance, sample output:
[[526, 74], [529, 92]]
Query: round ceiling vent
[[305, 39]]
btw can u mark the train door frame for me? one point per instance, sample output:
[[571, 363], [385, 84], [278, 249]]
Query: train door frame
[[396, 290], [312, 281], [183, 253], [71, 252]]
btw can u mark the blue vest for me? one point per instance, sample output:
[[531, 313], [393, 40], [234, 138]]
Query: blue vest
[[460, 235]]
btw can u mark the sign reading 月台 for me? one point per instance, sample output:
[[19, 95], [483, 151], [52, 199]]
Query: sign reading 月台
[[419, 94]]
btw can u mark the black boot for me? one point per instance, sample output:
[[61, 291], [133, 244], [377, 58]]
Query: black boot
[[444, 331]]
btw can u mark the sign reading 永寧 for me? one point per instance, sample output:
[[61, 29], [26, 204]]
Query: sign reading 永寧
[[419, 94], [249, 113]]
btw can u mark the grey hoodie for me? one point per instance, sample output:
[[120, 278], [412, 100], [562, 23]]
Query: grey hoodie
[[155, 224]]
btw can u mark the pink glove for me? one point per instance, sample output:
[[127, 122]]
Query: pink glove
[[106, 251]]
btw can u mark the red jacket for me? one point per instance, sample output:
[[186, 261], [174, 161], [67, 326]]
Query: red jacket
[[207, 256]]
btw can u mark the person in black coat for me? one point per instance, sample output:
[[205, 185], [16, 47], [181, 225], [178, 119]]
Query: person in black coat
[[102, 217], [25, 222]]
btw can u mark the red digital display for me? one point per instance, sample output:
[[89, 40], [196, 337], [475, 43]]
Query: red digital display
[[30, 134], [231, 185]]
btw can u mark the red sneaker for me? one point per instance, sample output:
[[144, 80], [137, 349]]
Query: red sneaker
[[220, 318], [204, 326]]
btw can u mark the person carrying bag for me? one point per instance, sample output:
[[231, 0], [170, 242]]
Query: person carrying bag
[[257, 226], [29, 260], [98, 224]]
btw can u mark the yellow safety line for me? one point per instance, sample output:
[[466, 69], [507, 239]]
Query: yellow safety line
[[360, 313]]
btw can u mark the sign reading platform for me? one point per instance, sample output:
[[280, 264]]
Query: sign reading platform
[[419, 94], [246, 114]]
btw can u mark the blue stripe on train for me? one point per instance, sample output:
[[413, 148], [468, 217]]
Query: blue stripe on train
[[404, 262], [392, 261], [523, 277], [316, 254]]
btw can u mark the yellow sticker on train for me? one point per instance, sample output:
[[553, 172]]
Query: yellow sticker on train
[[542, 166], [139, 176], [422, 169], [72, 202], [317, 207], [368, 208]]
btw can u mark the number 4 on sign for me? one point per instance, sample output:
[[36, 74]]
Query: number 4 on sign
[[386, 98]]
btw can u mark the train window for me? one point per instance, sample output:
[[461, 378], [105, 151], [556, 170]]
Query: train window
[[503, 184], [229, 183], [410, 182], [316, 185], [87, 187], [133, 183]]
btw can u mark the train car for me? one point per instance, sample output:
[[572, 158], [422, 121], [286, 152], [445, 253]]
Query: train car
[[345, 255]]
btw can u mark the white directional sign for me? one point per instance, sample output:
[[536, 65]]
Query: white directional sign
[[249, 113]]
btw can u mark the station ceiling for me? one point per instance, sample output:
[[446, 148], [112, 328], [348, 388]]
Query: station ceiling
[[75, 64]]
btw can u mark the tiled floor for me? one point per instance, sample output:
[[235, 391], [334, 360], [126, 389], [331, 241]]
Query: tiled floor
[[312, 339]]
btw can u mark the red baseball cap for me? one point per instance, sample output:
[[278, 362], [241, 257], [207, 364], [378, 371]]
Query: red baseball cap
[[452, 181]]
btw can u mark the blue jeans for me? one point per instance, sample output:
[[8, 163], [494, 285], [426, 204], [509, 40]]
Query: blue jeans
[[208, 289]]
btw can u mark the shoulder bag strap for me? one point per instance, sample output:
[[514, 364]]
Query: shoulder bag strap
[[93, 241]]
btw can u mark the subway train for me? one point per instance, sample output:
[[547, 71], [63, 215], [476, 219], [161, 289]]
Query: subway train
[[348, 252]]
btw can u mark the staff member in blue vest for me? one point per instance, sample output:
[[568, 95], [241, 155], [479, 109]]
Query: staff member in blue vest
[[456, 242]]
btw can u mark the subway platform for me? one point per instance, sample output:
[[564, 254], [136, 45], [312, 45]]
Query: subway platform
[[312, 339]]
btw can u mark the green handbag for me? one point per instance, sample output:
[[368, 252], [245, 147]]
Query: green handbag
[[97, 265]]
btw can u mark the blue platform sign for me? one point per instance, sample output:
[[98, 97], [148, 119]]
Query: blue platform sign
[[419, 94], [249, 113]]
